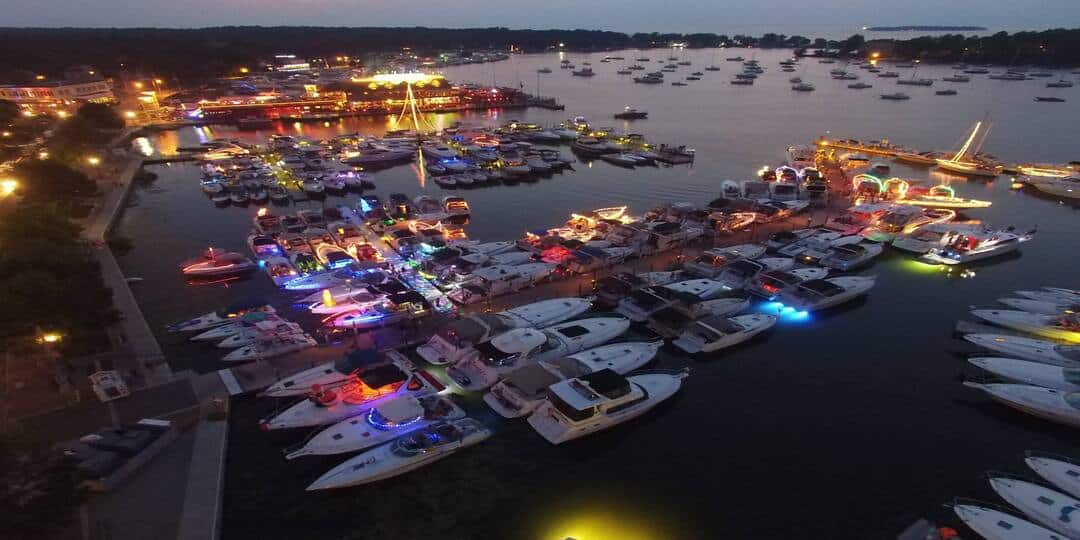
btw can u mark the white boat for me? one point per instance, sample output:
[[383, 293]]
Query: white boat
[[611, 288], [334, 374], [587, 259], [455, 206], [903, 220], [712, 262], [851, 256], [360, 299], [1058, 327], [857, 218], [817, 294], [458, 338], [279, 269], [976, 246], [493, 248], [770, 284], [1068, 187], [599, 400], [779, 240], [996, 525], [1041, 307], [643, 303], [407, 453], [820, 246], [1044, 506], [1045, 403], [226, 315], [271, 346], [715, 333], [260, 331], [1050, 295], [235, 326], [524, 389], [496, 280], [382, 423], [510, 350], [739, 274], [1066, 379], [1059, 471], [934, 235], [217, 263], [1036, 350], [339, 277]]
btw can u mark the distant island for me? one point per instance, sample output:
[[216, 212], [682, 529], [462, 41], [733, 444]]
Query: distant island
[[925, 28]]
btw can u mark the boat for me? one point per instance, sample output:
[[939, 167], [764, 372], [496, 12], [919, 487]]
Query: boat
[[770, 284], [455, 206], [740, 273], [743, 82], [544, 70], [966, 161], [217, 263], [226, 315], [1041, 307], [342, 276], [851, 256], [977, 245], [358, 299], [1068, 187], [678, 83], [1037, 350], [904, 220], [940, 197], [313, 186], [719, 332], [1066, 379], [600, 400], [997, 525], [381, 424], [957, 78], [1064, 328], [803, 87], [497, 280], [270, 346], [1051, 294], [934, 235], [818, 294], [1045, 403], [1060, 83], [524, 389], [630, 113], [714, 261], [279, 269], [851, 222], [235, 326], [918, 158], [583, 72], [1049, 99], [860, 86], [405, 454], [1058, 470], [896, 96], [262, 330], [510, 350], [460, 337], [611, 288], [212, 187], [643, 303]]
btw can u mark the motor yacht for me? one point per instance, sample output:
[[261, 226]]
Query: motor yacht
[[235, 326], [1046, 352], [643, 303], [460, 337], [260, 331], [354, 275], [715, 333], [934, 235], [588, 259], [814, 248], [850, 257], [1068, 187], [355, 299], [334, 374], [818, 294], [1064, 328], [997, 525], [229, 314], [508, 351], [1041, 307], [270, 346], [600, 400], [217, 263], [611, 288], [1060, 471], [940, 197], [497, 280], [380, 424], [1051, 294], [779, 240], [524, 389], [903, 220], [455, 206], [1066, 379], [772, 283], [1045, 403], [740, 273], [713, 262], [858, 217], [405, 454], [978, 245]]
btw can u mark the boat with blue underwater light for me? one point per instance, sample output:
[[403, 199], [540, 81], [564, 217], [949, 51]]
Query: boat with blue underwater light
[[716, 333], [818, 294]]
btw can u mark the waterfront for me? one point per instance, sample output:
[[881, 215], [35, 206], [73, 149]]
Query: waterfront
[[846, 426]]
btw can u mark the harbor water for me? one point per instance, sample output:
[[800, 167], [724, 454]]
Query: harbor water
[[849, 424]]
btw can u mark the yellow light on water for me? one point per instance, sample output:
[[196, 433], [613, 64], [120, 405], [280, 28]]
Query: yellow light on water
[[603, 526]]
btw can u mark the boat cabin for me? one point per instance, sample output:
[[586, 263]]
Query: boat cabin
[[601, 392]]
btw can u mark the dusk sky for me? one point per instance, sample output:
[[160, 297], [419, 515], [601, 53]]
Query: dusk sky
[[815, 17]]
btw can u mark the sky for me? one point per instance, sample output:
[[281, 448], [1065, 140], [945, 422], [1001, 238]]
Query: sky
[[807, 17]]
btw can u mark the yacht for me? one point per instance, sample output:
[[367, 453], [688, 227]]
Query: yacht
[[271, 346], [1046, 352], [630, 113], [898, 96], [1068, 187], [817, 247], [229, 314], [458, 338], [740, 273], [261, 331], [279, 269], [976, 246], [1045, 403], [1041, 307], [358, 298], [497, 280], [802, 87], [407, 453], [997, 525], [334, 374], [599, 400], [641, 304], [235, 326], [715, 333], [382, 423], [825, 293], [503, 353], [856, 218], [934, 235], [770, 284], [1028, 372], [343, 276], [851, 256], [588, 259], [779, 240], [523, 390], [217, 263], [1058, 327], [713, 261], [940, 197], [455, 206], [903, 220], [1059, 471]]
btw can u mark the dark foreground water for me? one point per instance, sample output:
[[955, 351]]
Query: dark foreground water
[[848, 425]]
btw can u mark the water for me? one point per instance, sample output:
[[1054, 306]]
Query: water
[[848, 425]]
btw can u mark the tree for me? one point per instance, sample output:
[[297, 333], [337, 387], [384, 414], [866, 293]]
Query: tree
[[39, 491], [51, 181], [9, 111], [100, 116], [820, 43], [852, 43]]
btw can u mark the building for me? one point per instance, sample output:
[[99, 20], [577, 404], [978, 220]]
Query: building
[[79, 85]]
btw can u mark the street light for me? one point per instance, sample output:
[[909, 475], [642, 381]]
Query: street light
[[8, 186], [94, 161], [51, 337], [138, 85]]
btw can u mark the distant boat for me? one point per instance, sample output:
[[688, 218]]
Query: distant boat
[[1049, 99]]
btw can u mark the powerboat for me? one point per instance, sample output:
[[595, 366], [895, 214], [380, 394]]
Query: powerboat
[[497, 280], [1037, 350], [713, 262], [779, 240], [997, 525], [978, 245], [818, 294], [342, 276], [334, 374], [217, 263], [455, 206], [1057, 327], [851, 256], [1045, 403], [229, 314], [1059, 471], [739, 274], [1051, 294], [643, 303], [271, 346], [279, 269], [1041, 307], [587, 259], [357, 298], [235, 326], [858, 217], [600, 400], [382, 423], [508, 351], [405, 454], [820, 246], [940, 197], [524, 389], [1068, 187], [264, 330], [771, 283], [715, 333], [1028, 372], [458, 338], [934, 235]]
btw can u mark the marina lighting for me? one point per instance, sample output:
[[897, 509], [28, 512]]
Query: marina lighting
[[875, 55], [40, 77], [43, 154], [129, 114], [407, 78], [94, 161], [8, 186], [51, 337], [62, 114], [243, 70], [7, 134], [157, 81], [138, 85]]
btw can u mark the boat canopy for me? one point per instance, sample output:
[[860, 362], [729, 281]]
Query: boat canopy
[[532, 380], [357, 360], [607, 382]]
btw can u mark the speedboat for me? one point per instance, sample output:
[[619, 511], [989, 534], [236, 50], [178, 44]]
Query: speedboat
[[1041, 307], [643, 303], [264, 330], [817, 294], [600, 400], [270, 346], [851, 256], [216, 263], [587, 259], [342, 276], [977, 245], [459, 337], [354, 395], [496, 280], [455, 206], [279, 269], [333, 374], [1058, 470], [997, 525], [515, 348], [524, 389], [715, 333], [382, 423], [1034, 373], [820, 246], [235, 326], [1046, 352], [222, 316], [858, 217], [333, 256], [934, 235], [357, 299], [407, 453], [1051, 294], [1058, 327], [712, 262], [904, 219], [1045, 403], [770, 284], [739, 274]]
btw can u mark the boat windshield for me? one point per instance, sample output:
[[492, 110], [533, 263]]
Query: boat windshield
[[848, 253], [493, 355], [424, 440]]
